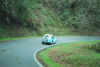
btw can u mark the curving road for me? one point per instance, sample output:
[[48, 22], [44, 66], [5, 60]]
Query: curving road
[[20, 53]]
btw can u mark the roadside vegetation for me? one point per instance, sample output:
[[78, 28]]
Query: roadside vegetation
[[60, 17], [78, 54], [15, 38]]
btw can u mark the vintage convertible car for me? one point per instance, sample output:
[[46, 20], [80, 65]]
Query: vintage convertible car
[[48, 39]]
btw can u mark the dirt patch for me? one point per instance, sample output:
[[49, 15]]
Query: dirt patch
[[59, 58]]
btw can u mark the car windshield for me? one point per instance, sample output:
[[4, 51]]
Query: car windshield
[[48, 36]]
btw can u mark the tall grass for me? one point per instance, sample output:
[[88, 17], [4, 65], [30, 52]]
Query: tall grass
[[95, 47]]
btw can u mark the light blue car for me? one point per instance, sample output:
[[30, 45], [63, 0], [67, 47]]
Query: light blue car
[[49, 39]]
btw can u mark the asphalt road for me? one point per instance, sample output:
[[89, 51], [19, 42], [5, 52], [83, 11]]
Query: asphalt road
[[20, 53]]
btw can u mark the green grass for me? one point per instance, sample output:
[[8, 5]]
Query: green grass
[[70, 55], [46, 60], [15, 38]]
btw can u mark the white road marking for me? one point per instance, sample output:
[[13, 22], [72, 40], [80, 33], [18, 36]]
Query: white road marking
[[36, 53]]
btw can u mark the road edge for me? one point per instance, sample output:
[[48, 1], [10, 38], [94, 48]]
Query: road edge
[[38, 62]]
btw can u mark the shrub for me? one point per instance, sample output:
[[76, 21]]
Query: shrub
[[94, 47], [97, 47]]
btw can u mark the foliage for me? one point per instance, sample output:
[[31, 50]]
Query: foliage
[[78, 15], [51, 16]]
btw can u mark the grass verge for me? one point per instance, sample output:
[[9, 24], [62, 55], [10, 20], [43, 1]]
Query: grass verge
[[15, 38], [70, 55]]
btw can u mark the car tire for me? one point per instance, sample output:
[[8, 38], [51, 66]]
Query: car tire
[[49, 43], [43, 43]]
